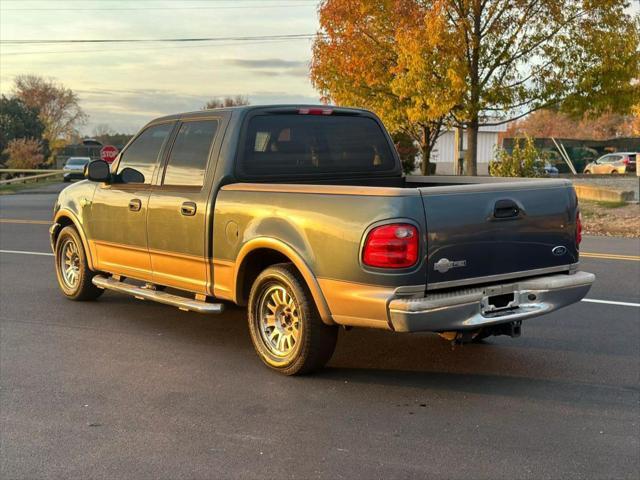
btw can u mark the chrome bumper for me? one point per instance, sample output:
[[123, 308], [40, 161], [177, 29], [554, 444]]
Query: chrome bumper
[[471, 308]]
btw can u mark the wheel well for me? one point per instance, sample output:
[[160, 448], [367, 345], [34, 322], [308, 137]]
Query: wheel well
[[63, 222], [254, 263]]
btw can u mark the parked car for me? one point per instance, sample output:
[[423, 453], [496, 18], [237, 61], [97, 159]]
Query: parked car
[[550, 170], [303, 214], [613, 164], [74, 168]]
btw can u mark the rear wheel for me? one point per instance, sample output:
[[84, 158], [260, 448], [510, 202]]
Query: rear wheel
[[614, 172], [285, 326], [72, 270]]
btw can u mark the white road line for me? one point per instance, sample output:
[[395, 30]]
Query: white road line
[[21, 252], [590, 300], [610, 302]]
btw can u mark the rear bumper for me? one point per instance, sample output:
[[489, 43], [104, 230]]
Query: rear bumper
[[469, 309]]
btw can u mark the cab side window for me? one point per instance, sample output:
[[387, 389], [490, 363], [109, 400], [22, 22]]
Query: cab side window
[[187, 164], [142, 154]]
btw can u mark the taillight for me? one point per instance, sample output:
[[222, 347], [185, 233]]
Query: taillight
[[626, 160], [578, 229], [315, 111], [391, 246]]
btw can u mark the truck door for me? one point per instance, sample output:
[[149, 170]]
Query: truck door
[[177, 223], [117, 225]]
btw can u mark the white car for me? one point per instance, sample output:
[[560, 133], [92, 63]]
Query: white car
[[613, 164], [74, 168]]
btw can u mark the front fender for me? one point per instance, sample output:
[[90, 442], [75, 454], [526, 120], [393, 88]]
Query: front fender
[[73, 207], [63, 218]]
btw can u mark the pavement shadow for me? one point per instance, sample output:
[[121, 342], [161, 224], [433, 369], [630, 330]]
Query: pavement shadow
[[527, 388], [419, 361]]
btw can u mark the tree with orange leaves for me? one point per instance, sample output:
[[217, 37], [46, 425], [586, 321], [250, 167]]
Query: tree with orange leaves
[[372, 54], [635, 121], [478, 62]]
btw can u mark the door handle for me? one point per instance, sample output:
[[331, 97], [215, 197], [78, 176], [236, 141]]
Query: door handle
[[506, 209], [135, 205], [188, 209]]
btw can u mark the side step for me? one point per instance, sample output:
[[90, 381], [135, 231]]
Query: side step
[[141, 293]]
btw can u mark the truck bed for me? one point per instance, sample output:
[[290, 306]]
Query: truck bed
[[476, 230]]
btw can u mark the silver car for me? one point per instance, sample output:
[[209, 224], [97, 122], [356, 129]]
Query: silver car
[[613, 164], [74, 168]]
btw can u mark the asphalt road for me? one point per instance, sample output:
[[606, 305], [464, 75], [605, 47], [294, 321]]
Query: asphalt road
[[120, 388]]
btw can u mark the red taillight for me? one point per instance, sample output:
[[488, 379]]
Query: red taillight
[[315, 111], [391, 246], [578, 229], [626, 160]]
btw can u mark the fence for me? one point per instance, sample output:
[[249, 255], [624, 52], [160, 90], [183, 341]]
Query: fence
[[33, 175]]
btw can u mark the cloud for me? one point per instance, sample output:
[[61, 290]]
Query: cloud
[[267, 63], [127, 110], [271, 67]]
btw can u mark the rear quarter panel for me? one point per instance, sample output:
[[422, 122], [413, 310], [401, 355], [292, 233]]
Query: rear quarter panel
[[326, 231]]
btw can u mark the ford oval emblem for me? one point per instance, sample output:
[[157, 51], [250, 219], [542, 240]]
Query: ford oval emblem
[[559, 250]]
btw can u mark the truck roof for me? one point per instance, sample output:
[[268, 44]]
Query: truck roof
[[204, 113]]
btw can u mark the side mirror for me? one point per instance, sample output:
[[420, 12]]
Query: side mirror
[[131, 175], [98, 171]]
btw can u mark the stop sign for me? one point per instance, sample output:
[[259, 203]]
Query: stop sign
[[108, 153]]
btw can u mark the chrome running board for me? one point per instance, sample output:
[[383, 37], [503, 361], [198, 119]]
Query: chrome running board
[[142, 293]]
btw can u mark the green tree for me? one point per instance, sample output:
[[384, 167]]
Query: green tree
[[407, 151], [58, 107], [523, 55], [17, 120], [524, 161]]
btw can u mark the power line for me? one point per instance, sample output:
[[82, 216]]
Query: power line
[[219, 7], [115, 50], [164, 1], [155, 40]]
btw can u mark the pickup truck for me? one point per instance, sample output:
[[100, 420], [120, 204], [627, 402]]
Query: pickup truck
[[302, 214]]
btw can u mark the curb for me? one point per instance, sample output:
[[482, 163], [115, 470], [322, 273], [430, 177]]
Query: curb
[[588, 192]]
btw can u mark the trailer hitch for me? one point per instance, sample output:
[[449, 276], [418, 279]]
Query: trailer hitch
[[510, 329]]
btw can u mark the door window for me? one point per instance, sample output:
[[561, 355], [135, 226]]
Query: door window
[[187, 163], [142, 154], [609, 159]]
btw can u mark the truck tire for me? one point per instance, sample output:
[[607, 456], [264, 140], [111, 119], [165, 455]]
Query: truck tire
[[285, 326], [72, 270]]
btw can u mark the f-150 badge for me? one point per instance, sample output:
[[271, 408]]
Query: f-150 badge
[[444, 264]]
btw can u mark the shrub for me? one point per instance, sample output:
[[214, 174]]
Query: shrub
[[24, 153], [524, 161], [407, 151]]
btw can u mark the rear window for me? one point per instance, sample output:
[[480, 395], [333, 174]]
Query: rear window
[[289, 144]]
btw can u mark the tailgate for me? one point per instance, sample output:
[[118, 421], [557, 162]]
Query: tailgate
[[490, 232]]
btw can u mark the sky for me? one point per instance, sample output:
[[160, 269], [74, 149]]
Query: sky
[[126, 85]]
